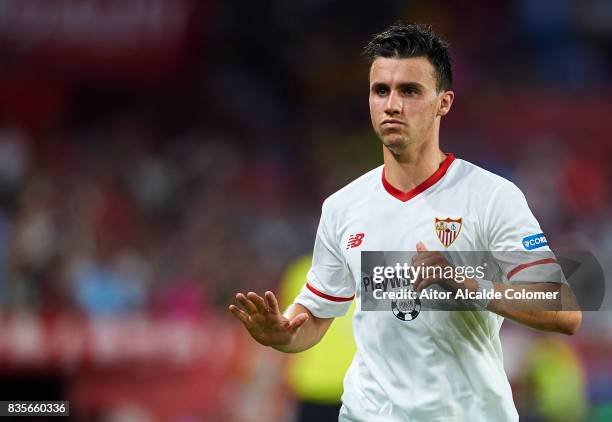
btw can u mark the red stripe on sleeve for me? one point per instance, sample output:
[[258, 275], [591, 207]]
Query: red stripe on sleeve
[[328, 297], [530, 264]]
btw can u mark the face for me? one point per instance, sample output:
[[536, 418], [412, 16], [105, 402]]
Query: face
[[405, 105]]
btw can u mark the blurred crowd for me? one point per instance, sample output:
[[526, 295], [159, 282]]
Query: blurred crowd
[[107, 222]]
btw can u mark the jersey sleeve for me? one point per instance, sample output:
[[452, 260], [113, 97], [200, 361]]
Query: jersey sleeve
[[516, 240], [329, 288]]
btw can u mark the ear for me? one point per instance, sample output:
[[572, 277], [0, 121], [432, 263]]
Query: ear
[[446, 102]]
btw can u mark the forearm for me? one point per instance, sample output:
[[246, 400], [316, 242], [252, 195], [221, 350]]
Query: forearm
[[566, 322], [309, 334], [560, 315]]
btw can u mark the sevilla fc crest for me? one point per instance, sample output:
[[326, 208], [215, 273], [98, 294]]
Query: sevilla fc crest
[[448, 230]]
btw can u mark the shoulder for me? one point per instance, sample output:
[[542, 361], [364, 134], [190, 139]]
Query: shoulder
[[482, 181], [353, 193], [500, 204]]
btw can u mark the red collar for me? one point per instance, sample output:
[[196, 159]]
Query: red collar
[[426, 184]]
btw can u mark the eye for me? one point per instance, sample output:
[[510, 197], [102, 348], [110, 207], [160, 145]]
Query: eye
[[409, 91], [381, 90]]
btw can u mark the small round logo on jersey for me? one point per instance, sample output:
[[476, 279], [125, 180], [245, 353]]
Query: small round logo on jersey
[[406, 310]]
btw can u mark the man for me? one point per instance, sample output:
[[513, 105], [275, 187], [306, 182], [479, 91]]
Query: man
[[436, 365]]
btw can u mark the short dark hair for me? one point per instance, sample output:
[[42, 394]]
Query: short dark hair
[[404, 40]]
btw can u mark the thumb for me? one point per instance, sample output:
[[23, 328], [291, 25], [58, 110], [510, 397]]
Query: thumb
[[298, 321], [420, 247]]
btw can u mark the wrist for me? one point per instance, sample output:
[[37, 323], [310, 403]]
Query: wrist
[[486, 290], [471, 284]]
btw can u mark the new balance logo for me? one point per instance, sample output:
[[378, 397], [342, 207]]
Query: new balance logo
[[355, 240]]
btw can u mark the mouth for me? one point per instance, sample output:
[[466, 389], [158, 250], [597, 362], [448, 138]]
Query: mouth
[[391, 122]]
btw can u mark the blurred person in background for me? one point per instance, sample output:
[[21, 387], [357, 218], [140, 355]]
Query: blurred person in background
[[314, 377], [444, 364], [556, 382]]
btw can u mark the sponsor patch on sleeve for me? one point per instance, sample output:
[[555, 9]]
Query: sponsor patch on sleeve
[[534, 241]]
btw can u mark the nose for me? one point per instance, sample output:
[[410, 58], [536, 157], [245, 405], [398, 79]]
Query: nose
[[394, 104]]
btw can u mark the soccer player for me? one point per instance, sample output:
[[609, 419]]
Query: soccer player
[[432, 365]]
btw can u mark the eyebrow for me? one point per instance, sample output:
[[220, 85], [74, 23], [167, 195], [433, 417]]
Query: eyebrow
[[402, 85]]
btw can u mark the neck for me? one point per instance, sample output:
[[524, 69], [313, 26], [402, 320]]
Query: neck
[[413, 166]]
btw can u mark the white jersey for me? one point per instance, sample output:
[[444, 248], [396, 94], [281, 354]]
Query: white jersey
[[441, 365]]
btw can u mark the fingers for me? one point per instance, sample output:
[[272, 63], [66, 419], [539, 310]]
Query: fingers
[[427, 260], [239, 313], [254, 309], [246, 304], [425, 283], [420, 247], [426, 264], [272, 303], [260, 304], [423, 254], [298, 321]]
